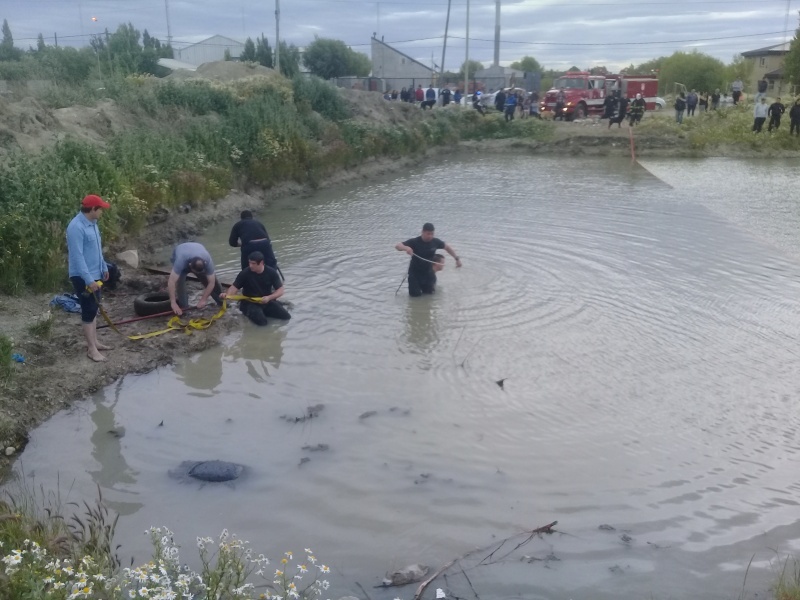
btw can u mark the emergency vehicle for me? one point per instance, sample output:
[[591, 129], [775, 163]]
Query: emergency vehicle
[[585, 93]]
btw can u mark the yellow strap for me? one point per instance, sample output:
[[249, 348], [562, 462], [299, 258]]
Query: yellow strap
[[256, 299], [175, 323]]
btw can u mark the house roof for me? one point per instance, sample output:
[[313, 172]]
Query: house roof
[[414, 60], [776, 49], [776, 74], [216, 38]]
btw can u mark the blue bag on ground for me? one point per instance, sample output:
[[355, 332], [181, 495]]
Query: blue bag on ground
[[69, 302]]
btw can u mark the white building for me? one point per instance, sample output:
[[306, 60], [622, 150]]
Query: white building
[[210, 50]]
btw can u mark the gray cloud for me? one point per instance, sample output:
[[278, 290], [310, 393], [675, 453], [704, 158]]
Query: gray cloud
[[556, 32]]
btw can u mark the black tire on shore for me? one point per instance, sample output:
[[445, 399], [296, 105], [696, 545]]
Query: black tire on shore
[[151, 304]]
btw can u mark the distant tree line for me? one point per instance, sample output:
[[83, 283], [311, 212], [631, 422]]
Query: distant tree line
[[124, 52]]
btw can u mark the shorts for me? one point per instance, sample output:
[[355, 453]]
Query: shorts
[[90, 302]]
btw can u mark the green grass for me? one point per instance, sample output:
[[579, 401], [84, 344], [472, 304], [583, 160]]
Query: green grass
[[731, 126], [788, 586]]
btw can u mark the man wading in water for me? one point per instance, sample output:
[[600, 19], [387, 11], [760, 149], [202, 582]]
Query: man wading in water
[[422, 250], [259, 281], [252, 236]]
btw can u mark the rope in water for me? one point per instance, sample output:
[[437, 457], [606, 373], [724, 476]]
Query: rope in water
[[433, 262]]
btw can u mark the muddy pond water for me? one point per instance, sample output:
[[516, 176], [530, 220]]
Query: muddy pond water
[[645, 319]]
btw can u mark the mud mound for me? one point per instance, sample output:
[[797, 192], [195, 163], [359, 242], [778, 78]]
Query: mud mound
[[25, 125], [30, 127], [370, 107], [96, 123], [224, 71]]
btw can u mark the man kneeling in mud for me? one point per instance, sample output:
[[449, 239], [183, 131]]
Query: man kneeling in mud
[[259, 281]]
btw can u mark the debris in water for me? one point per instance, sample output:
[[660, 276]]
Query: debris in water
[[316, 448], [369, 413], [410, 574], [605, 527]]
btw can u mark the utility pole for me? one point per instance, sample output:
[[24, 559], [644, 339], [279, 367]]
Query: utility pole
[[466, 60], [169, 30], [444, 47], [278, 35], [497, 34]]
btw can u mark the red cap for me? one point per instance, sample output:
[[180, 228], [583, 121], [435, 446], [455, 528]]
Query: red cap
[[92, 201]]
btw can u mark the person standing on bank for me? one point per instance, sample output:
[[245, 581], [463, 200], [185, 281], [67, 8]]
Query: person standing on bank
[[422, 250], [87, 267], [252, 236], [259, 281], [191, 257]]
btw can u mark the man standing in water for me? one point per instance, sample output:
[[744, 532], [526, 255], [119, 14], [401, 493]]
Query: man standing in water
[[252, 236], [87, 268], [422, 250]]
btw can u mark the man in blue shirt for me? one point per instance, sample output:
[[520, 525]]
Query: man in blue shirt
[[192, 257], [87, 268]]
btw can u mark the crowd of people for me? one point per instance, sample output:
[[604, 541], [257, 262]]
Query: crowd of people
[[511, 102]]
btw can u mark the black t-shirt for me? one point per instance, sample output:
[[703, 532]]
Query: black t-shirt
[[258, 284], [424, 250], [247, 230]]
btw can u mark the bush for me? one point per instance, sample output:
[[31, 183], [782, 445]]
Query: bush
[[320, 96]]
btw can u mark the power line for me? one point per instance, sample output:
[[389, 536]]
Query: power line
[[730, 37]]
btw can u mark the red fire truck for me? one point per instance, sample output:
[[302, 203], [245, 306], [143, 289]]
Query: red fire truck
[[585, 93]]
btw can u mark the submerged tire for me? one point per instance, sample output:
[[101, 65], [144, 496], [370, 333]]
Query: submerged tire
[[216, 471], [151, 304]]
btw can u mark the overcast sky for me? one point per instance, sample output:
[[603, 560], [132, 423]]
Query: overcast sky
[[558, 33]]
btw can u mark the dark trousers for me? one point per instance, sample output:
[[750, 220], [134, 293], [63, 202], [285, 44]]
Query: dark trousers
[[758, 123], [88, 301], [428, 104], [774, 122], [510, 112], [736, 95], [421, 283], [794, 127], [258, 313], [558, 111], [690, 109], [479, 108], [263, 246]]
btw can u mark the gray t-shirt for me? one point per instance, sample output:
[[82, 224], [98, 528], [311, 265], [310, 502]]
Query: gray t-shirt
[[183, 253]]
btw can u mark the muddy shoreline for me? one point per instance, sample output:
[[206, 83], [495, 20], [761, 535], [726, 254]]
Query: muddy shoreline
[[57, 373]]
